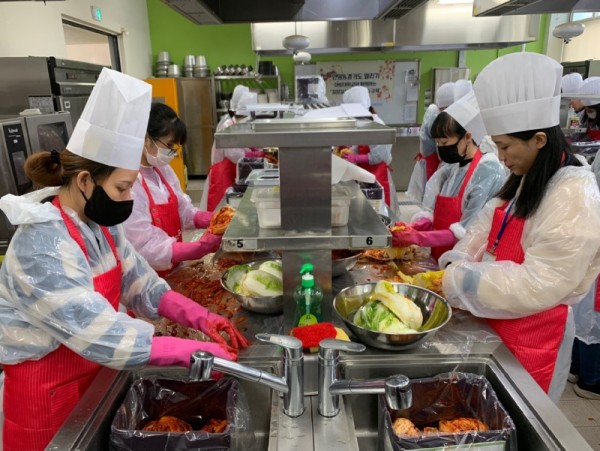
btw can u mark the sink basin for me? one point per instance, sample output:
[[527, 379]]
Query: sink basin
[[539, 423], [88, 426]]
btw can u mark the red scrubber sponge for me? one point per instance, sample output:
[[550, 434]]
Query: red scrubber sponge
[[311, 335]]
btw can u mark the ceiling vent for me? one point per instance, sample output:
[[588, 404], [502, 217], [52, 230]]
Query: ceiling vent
[[209, 12], [519, 7], [401, 8]]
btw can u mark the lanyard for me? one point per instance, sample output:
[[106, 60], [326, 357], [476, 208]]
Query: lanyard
[[505, 221]]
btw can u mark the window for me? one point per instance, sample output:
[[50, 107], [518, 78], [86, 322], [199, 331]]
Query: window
[[91, 45], [583, 16]]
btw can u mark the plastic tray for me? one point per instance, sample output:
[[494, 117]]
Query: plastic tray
[[268, 206]]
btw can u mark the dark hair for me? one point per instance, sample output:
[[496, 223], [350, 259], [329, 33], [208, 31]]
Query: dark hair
[[555, 154], [47, 169], [445, 126], [163, 121], [587, 121]]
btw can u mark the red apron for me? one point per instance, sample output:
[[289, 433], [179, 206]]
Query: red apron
[[594, 134], [534, 339], [448, 210], [165, 216], [379, 170], [40, 394], [597, 301], [221, 176], [431, 163]]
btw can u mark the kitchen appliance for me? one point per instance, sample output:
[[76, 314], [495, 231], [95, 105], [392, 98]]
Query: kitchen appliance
[[192, 99], [47, 83], [20, 136], [587, 68]]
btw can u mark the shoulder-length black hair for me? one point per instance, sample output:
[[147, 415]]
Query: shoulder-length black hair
[[554, 155], [163, 121]]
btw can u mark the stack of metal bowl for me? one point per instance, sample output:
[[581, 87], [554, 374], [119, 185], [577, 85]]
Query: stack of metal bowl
[[343, 260], [163, 60], [436, 313], [200, 67], [173, 70], [189, 61]]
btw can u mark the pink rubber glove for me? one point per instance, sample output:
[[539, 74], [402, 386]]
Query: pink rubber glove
[[254, 153], [202, 219], [431, 238], [422, 224], [186, 312], [356, 159], [169, 351], [197, 249]]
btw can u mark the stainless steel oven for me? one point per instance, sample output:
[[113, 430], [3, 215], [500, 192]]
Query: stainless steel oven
[[19, 138], [50, 84]]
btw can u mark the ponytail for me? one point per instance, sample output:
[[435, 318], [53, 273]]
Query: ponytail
[[58, 168]]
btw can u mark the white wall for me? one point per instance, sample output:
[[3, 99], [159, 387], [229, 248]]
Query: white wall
[[30, 28], [586, 46]]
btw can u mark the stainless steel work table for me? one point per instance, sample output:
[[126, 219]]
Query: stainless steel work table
[[466, 344]]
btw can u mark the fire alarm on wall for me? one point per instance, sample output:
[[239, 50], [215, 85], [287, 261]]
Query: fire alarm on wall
[[96, 13]]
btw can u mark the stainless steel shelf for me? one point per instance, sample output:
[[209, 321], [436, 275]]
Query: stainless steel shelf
[[304, 133], [244, 77], [364, 230]]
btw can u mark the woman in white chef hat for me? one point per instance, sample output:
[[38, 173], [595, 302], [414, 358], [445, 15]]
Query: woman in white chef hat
[[161, 210], [375, 159], [427, 158], [459, 189], [223, 168], [570, 84], [533, 249], [69, 266], [591, 107]]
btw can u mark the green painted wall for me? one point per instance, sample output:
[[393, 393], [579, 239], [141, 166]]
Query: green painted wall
[[231, 44]]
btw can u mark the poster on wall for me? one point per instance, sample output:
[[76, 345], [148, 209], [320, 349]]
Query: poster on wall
[[393, 85]]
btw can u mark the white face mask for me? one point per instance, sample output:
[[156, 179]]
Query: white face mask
[[163, 157], [592, 115]]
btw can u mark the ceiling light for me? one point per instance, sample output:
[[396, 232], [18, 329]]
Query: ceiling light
[[568, 31]]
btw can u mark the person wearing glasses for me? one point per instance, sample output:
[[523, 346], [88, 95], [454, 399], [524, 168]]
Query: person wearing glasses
[[161, 210]]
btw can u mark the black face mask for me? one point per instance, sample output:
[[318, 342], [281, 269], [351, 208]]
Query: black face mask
[[101, 209], [449, 154]]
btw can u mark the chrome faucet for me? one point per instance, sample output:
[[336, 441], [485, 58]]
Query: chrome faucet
[[396, 388], [291, 384]]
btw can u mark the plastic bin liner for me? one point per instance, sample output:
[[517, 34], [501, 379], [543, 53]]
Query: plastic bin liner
[[193, 402], [450, 396]]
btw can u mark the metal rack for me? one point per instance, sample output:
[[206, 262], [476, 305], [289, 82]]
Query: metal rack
[[305, 197]]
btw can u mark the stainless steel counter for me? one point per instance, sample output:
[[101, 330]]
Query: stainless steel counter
[[466, 344]]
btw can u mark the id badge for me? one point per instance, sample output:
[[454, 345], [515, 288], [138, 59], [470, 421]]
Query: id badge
[[488, 257]]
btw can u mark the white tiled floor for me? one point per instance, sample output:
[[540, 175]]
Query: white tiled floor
[[584, 414]]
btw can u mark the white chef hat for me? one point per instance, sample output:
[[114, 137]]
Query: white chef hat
[[466, 112], [112, 126], [462, 88], [444, 96], [357, 94], [571, 83], [519, 92], [237, 94], [246, 99], [590, 87]]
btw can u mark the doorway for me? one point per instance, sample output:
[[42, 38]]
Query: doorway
[[91, 45]]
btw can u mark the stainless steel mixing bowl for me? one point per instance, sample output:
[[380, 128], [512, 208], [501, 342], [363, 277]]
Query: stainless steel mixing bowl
[[436, 313], [265, 304]]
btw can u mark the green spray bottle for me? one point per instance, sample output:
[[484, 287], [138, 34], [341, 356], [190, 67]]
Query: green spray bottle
[[308, 297]]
